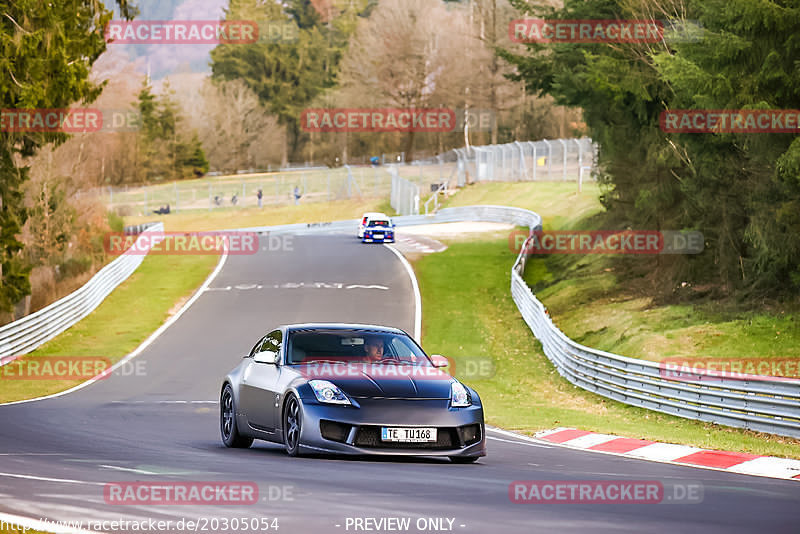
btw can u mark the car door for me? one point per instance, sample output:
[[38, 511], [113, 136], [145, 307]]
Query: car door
[[259, 395]]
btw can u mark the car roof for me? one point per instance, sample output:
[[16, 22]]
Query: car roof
[[343, 326], [375, 214]]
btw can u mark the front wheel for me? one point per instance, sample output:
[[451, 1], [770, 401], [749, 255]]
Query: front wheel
[[292, 424], [227, 421]]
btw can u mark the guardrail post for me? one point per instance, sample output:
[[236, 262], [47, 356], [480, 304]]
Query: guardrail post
[[535, 161], [580, 154], [580, 179], [549, 158], [523, 169]]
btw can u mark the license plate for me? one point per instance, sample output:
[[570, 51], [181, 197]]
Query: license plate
[[377, 236], [408, 435]]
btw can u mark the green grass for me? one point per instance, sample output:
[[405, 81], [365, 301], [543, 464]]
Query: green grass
[[594, 308], [559, 203], [125, 318], [479, 319], [607, 303], [596, 300]]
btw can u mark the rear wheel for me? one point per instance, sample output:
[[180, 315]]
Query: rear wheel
[[463, 459], [292, 424], [227, 421]]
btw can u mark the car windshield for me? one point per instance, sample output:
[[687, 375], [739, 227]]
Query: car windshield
[[379, 223], [353, 346]]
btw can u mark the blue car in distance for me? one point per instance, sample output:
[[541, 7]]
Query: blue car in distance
[[378, 230]]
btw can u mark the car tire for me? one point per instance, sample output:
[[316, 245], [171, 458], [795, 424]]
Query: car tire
[[228, 428], [463, 459], [292, 425]]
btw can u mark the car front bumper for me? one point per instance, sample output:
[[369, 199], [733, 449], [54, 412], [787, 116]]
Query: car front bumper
[[356, 430], [384, 239]]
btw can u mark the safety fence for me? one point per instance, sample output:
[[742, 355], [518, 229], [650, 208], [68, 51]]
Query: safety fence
[[545, 160], [312, 184], [26, 334]]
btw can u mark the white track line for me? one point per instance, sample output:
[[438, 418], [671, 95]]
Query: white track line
[[519, 438], [417, 297], [50, 479], [146, 343]]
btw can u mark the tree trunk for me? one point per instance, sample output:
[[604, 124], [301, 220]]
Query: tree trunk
[[494, 69], [410, 147]]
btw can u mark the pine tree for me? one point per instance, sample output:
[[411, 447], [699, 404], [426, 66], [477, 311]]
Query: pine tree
[[46, 52]]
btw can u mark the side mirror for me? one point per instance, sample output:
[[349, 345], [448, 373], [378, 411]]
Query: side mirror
[[439, 360], [266, 356]]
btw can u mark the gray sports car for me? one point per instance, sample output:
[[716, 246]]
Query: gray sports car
[[351, 389]]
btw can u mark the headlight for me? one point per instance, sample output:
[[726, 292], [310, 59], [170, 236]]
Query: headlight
[[459, 396], [327, 392]]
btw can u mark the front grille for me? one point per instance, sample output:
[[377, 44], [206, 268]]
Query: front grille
[[334, 431], [370, 436]]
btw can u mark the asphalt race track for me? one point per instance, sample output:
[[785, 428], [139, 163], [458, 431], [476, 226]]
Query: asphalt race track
[[57, 455]]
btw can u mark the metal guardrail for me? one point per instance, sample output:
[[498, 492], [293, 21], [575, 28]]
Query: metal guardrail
[[760, 403], [26, 334]]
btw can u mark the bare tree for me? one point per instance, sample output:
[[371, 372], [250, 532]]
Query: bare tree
[[409, 54], [235, 130]]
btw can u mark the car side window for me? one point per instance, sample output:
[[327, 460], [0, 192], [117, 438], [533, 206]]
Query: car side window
[[402, 350], [273, 342], [257, 347]]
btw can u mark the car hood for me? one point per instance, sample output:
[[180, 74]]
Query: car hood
[[382, 381]]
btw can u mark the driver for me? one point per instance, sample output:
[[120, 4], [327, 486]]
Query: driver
[[373, 347]]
